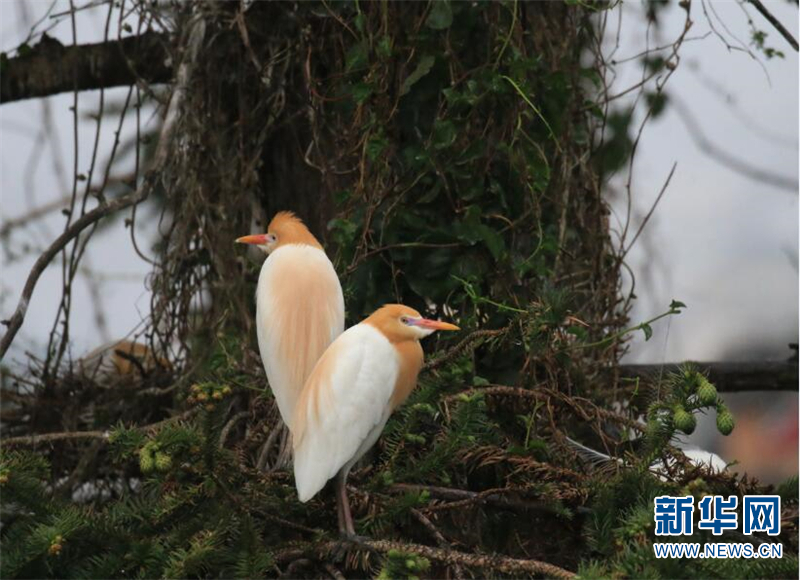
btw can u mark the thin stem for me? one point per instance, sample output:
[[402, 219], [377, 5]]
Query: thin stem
[[621, 333]]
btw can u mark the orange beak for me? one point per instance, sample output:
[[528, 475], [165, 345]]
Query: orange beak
[[435, 324], [257, 239]]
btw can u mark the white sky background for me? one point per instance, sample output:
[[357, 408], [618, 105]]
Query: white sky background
[[724, 244]]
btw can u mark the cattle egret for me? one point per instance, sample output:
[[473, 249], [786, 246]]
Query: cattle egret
[[363, 376], [121, 358], [299, 307]]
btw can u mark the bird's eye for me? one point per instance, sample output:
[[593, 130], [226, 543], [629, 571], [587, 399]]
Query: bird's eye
[[404, 319], [272, 238]]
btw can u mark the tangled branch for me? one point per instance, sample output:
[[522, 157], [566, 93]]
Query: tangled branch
[[86, 220], [501, 564]]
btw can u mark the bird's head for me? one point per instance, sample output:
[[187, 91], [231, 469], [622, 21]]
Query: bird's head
[[398, 323], [285, 228]]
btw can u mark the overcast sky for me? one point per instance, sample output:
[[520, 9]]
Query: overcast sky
[[723, 243]]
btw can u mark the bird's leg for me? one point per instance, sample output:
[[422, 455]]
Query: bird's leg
[[284, 451], [346, 527], [339, 511]]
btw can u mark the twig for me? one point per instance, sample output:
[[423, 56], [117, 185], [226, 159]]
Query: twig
[[723, 157], [440, 539], [463, 497], [223, 436], [34, 214], [358, 259], [59, 244], [197, 32], [62, 436], [134, 360], [104, 209], [616, 336], [650, 213], [429, 525], [461, 347], [335, 574], [77, 435], [263, 456], [496, 563], [544, 393], [774, 21]]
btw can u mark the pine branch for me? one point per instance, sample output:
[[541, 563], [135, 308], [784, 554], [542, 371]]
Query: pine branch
[[78, 435], [469, 343], [464, 497], [584, 408], [495, 563]]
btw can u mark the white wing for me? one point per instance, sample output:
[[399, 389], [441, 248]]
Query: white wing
[[344, 406], [299, 312], [702, 457]]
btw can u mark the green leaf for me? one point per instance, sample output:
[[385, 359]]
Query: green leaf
[[444, 134], [342, 230], [788, 489], [423, 68], [361, 92], [342, 197], [432, 193], [492, 239], [375, 147], [656, 101], [648, 331], [577, 331], [384, 48], [676, 305], [357, 57], [441, 16], [360, 21]]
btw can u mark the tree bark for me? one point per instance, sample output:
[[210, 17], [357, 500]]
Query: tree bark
[[730, 377], [50, 67]]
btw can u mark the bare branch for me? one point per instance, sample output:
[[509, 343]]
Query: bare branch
[[52, 68], [731, 377], [650, 213], [723, 157], [78, 435], [33, 215], [59, 244], [498, 564], [61, 436], [774, 21], [470, 342], [497, 497]]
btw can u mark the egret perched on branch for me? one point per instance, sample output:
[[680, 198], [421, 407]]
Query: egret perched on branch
[[120, 359], [299, 307], [360, 380]]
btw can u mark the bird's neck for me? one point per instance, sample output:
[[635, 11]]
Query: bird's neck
[[410, 355]]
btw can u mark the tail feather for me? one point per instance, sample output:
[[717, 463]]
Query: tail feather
[[589, 455]]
